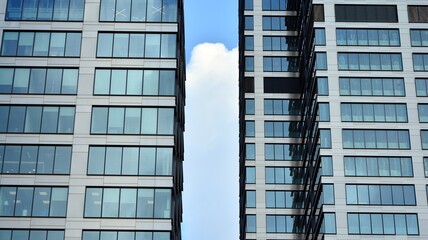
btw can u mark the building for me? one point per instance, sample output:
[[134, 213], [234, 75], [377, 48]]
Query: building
[[91, 119], [333, 119]]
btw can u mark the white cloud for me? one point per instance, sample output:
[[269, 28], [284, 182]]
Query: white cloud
[[211, 209]]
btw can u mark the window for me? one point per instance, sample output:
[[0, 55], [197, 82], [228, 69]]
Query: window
[[325, 138], [40, 10], [249, 106], [283, 223], [378, 166], [277, 85], [136, 45], [283, 199], [279, 129], [424, 138], [322, 83], [250, 151], [423, 112], [250, 175], [368, 37], [40, 201], [366, 13], [282, 175], [420, 62], [138, 11], [419, 37], [327, 194], [248, 23], [141, 161], [282, 106], [249, 43], [249, 85], [249, 64], [249, 128], [370, 61], [320, 37], [35, 159], [275, 23], [426, 166], [36, 234], [279, 5], [41, 44], [134, 82], [132, 120], [248, 5], [37, 119], [318, 12], [125, 235], [127, 203], [39, 80], [418, 14], [383, 224], [326, 166], [376, 139], [321, 61], [393, 87], [279, 43], [422, 87], [329, 223], [324, 112], [250, 199], [251, 225], [280, 64], [377, 112], [398, 195], [283, 152]]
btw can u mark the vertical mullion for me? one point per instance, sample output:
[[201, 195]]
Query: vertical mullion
[[54, 160]]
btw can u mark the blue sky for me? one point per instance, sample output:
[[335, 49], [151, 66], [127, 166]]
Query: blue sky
[[211, 187]]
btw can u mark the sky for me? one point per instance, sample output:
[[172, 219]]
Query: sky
[[211, 163]]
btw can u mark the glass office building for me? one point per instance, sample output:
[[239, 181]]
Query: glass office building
[[91, 119], [333, 114]]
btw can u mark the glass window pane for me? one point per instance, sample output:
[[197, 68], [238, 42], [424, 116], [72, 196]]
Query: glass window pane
[[50, 119], [20, 234], [151, 82], [152, 48], [41, 44], [96, 160], [45, 161], [167, 82], [33, 119], [57, 44], [99, 120], [28, 159], [41, 201], [66, 120], [61, 10], [149, 121], [110, 202], [93, 202], [164, 159], [62, 160], [113, 161], [7, 195], [69, 81], [102, 81], [168, 46], [108, 10], [118, 82], [7, 80], [138, 8], [147, 161], [145, 203], [73, 43], [116, 120], [10, 43], [120, 46], [353, 224], [130, 161], [16, 119], [162, 203], [53, 81], [128, 203], [25, 44], [24, 201], [12, 158], [77, 8], [166, 121], [135, 82], [105, 45], [132, 120], [136, 45], [412, 224], [59, 202]]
